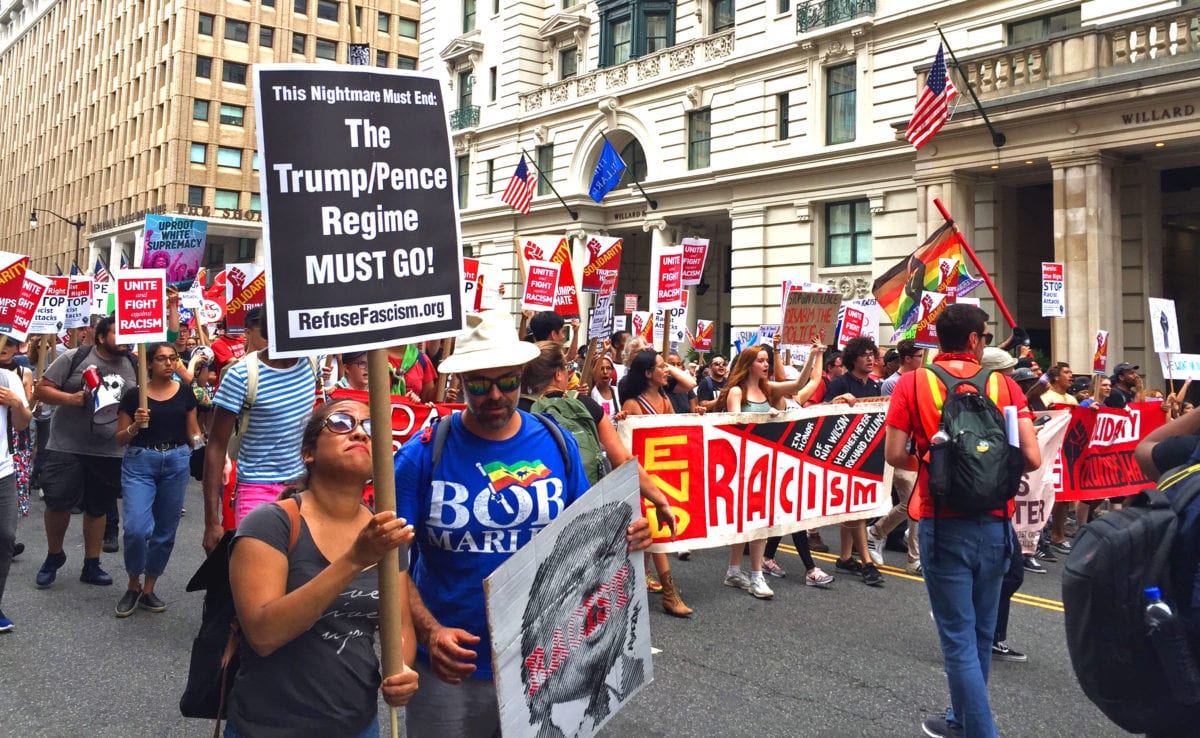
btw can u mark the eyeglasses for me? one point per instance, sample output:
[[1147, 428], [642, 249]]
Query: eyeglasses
[[166, 359], [987, 338], [343, 423], [358, 364], [480, 386], [717, 363]]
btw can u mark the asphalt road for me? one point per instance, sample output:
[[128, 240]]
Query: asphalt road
[[847, 661]]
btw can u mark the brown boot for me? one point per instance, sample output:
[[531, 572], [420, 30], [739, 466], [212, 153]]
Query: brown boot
[[671, 601]]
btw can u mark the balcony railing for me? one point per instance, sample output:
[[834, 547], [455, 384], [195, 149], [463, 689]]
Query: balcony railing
[[464, 117], [825, 13]]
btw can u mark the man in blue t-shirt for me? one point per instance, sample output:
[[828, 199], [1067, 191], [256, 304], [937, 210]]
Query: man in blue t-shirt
[[501, 477]]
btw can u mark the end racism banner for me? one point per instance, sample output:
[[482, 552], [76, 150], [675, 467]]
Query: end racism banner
[[742, 476], [570, 634], [175, 245], [359, 210], [141, 314]]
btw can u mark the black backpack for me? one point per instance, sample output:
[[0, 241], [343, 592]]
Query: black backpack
[[1114, 559], [975, 471]]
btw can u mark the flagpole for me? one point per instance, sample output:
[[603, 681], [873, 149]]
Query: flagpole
[[987, 279], [574, 215], [998, 138], [653, 203]]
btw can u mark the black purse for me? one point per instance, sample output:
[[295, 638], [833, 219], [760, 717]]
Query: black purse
[[214, 659]]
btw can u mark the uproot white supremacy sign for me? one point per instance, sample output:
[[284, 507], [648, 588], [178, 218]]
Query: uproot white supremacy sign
[[567, 614], [362, 238]]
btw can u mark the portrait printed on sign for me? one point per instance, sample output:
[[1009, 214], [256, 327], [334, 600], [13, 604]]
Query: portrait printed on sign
[[570, 631]]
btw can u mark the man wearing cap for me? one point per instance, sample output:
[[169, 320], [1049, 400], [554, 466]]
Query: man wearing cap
[[1126, 386], [500, 478]]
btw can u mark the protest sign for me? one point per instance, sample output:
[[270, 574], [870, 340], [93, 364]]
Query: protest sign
[[491, 286], [668, 291], [101, 289], [604, 254], [245, 289], [695, 252], [1053, 296], [703, 339], [1100, 355], [558, 250], [858, 318], [620, 323], [766, 334], [1097, 451], [1036, 493], [470, 284], [1164, 327], [1180, 367], [601, 317], [643, 324], [930, 307], [789, 287], [570, 634], [360, 218], [175, 245], [734, 477], [678, 325], [211, 312], [810, 317], [33, 289], [541, 285], [12, 282], [50, 313], [141, 314], [79, 302], [631, 303]]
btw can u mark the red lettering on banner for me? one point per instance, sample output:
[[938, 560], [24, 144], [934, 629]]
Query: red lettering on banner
[[722, 468], [758, 488]]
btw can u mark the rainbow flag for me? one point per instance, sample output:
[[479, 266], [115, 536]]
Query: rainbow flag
[[937, 266], [522, 473]]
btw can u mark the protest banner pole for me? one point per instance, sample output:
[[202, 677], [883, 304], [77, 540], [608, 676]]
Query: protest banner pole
[[987, 279], [143, 379], [391, 630], [649, 201], [574, 215], [998, 138], [444, 380], [666, 349]]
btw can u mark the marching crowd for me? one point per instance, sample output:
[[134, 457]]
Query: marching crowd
[[286, 506]]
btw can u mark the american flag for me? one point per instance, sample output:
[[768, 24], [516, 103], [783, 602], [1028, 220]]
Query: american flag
[[519, 192], [124, 264], [932, 106], [100, 273]]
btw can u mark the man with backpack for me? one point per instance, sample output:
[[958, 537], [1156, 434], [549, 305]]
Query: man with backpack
[[954, 416]]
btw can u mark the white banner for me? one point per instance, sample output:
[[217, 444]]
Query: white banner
[[1164, 326], [1036, 496], [1181, 367]]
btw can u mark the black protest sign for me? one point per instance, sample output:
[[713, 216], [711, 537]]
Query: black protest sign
[[359, 208]]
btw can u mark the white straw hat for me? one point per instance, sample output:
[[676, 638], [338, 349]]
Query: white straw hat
[[995, 359], [490, 342]]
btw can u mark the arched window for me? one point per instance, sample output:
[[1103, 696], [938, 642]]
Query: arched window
[[635, 163]]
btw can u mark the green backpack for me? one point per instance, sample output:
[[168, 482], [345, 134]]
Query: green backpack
[[572, 415]]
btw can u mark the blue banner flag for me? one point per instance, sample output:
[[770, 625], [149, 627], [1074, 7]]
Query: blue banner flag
[[608, 172]]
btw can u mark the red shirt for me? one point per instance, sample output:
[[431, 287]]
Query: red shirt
[[226, 349], [913, 410]]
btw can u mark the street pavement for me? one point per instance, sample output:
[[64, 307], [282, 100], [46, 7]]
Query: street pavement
[[851, 660]]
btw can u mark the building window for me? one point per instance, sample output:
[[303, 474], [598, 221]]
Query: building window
[[699, 130], [204, 67], [268, 3], [468, 16], [466, 81], [199, 154], [545, 165], [195, 195], [489, 186], [227, 157], [233, 115], [205, 26], [385, 23], [301, 7], [266, 36], [840, 97], [848, 233], [463, 164], [255, 202], [326, 49], [722, 15], [328, 10], [635, 164], [200, 110], [234, 72], [405, 62], [783, 113], [1037, 29], [254, 161], [633, 28], [406, 27], [226, 199], [246, 248], [568, 63], [381, 58], [299, 40], [785, 5], [493, 81], [236, 30]]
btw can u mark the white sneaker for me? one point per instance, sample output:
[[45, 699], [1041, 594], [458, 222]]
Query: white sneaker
[[759, 588], [738, 581], [913, 568], [875, 547]]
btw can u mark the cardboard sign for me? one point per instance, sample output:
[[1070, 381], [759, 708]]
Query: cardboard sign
[[558, 250], [631, 303], [735, 477], [1100, 355], [245, 289], [554, 616], [79, 302], [12, 282], [1180, 367], [695, 252], [541, 285], [50, 313], [1053, 297], [175, 245], [810, 317], [32, 292], [604, 254], [703, 339], [668, 293], [141, 313], [1164, 326], [360, 216], [1097, 451]]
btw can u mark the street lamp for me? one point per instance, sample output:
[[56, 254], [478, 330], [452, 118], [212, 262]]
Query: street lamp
[[78, 223]]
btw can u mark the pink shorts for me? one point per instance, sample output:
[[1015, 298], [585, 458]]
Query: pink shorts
[[248, 496]]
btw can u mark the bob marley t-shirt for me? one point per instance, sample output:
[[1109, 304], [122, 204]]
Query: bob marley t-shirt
[[485, 500]]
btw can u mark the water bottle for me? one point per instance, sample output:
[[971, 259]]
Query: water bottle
[[1171, 645], [940, 437]]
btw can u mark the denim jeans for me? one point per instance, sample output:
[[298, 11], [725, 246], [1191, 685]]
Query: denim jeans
[[154, 483], [1013, 579], [232, 731], [964, 562]]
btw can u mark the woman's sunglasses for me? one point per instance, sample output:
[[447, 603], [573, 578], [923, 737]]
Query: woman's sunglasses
[[343, 423], [480, 386]]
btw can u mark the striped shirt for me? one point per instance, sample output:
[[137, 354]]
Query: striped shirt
[[270, 450]]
